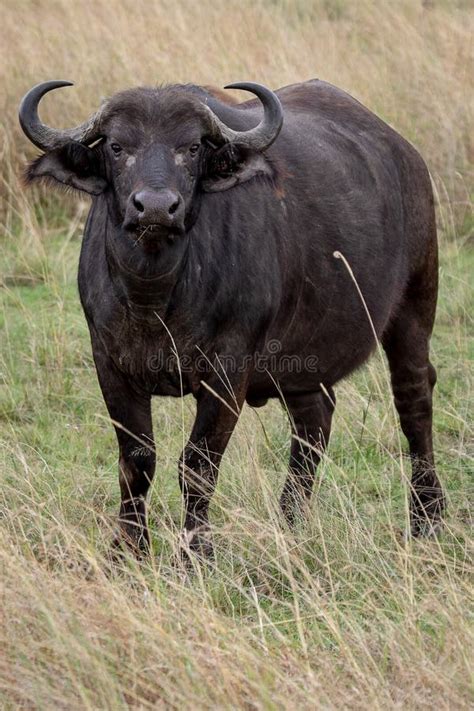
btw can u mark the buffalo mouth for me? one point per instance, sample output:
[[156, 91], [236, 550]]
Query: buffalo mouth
[[153, 234]]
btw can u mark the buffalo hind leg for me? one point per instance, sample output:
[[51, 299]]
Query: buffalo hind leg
[[310, 417], [413, 377]]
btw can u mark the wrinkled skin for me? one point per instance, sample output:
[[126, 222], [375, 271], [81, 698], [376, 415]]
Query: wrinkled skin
[[247, 266]]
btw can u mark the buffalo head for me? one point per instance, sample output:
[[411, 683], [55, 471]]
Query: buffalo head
[[153, 152]]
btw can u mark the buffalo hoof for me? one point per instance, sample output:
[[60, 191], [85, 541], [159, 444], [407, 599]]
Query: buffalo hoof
[[426, 517], [296, 510], [195, 545], [129, 541], [425, 528]]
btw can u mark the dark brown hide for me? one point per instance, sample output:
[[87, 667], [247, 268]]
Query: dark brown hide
[[209, 268]]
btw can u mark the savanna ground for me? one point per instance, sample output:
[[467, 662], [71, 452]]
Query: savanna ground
[[340, 614]]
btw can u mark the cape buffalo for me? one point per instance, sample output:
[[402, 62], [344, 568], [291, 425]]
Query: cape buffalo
[[239, 255]]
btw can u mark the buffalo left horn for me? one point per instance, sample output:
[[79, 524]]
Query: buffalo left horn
[[263, 135], [48, 138]]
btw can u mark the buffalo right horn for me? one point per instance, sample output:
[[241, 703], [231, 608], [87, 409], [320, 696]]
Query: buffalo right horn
[[48, 138]]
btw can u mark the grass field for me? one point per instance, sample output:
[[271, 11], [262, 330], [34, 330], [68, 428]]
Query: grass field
[[340, 614]]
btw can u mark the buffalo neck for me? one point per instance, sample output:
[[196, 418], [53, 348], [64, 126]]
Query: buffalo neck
[[144, 282]]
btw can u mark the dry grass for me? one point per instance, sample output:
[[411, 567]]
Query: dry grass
[[339, 615]]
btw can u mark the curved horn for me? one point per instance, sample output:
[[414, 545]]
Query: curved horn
[[263, 135], [48, 138]]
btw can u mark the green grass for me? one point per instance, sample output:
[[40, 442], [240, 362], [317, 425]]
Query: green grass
[[341, 614], [342, 602]]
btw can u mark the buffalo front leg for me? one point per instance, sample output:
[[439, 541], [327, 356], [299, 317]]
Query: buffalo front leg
[[218, 409], [130, 411], [310, 416]]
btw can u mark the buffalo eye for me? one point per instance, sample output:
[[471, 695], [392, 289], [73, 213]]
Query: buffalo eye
[[194, 148], [116, 148]]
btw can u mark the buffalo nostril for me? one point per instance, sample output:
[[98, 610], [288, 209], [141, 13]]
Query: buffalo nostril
[[138, 204], [172, 208]]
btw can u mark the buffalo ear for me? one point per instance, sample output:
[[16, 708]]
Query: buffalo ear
[[73, 165], [231, 165]]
